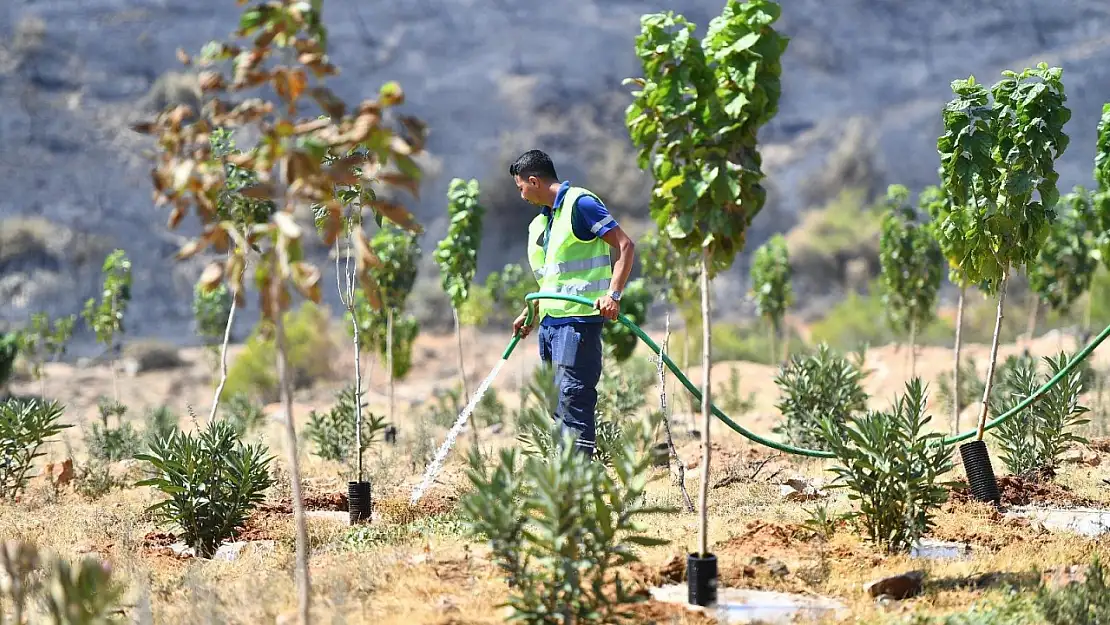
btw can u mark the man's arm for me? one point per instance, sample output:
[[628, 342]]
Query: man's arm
[[626, 250]]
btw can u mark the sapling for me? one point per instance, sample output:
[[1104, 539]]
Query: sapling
[[45, 339], [770, 277], [911, 263], [1100, 200], [284, 49], [940, 209], [1066, 264], [106, 317], [695, 120], [457, 255], [215, 304], [997, 152]]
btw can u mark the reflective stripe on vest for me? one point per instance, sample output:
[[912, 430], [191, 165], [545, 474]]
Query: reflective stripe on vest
[[570, 266]]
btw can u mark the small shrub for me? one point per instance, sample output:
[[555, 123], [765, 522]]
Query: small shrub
[[814, 387], [1086, 603], [490, 409], [971, 385], [333, 433], [242, 414], [891, 465], [618, 339], [444, 409], [732, 403], [94, 480], [1034, 439], [9, 349], [85, 593], [561, 554], [160, 423], [111, 444], [538, 410], [212, 481], [24, 427], [211, 308], [63, 593], [310, 355]]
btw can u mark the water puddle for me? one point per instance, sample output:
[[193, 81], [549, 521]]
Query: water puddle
[[441, 455], [1083, 521], [737, 605], [940, 550]]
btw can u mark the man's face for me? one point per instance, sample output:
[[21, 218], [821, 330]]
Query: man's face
[[529, 189]]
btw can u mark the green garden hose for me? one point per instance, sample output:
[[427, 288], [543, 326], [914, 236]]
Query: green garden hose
[[783, 447]]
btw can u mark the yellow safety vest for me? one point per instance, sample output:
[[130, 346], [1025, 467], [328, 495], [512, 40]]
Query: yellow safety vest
[[570, 266]]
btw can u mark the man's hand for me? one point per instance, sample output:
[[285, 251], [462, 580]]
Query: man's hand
[[520, 327], [609, 307]]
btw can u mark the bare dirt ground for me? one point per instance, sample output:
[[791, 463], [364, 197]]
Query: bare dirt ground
[[433, 574]]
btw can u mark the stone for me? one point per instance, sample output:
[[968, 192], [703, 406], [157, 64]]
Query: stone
[[800, 489], [901, 586]]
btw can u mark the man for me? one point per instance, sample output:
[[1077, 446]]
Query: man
[[568, 249]]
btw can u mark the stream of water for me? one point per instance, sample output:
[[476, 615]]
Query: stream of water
[[441, 455]]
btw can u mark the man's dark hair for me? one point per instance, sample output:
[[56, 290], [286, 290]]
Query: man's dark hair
[[534, 163]]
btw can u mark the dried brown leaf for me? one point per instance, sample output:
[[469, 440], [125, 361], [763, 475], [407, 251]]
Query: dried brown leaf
[[259, 191], [401, 180], [287, 226], [211, 81], [191, 248], [397, 214], [176, 215], [298, 81], [329, 103], [306, 278], [211, 276]]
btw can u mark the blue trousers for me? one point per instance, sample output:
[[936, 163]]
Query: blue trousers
[[573, 350]]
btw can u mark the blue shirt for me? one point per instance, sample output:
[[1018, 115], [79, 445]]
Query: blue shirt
[[589, 220]]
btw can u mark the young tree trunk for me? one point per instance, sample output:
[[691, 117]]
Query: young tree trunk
[[773, 333], [1031, 326], [462, 372], [358, 387], [681, 469], [956, 369], [223, 361], [686, 367], [303, 583], [707, 353], [994, 356], [913, 349], [389, 358]]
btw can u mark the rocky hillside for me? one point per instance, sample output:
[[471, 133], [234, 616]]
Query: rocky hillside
[[864, 82]]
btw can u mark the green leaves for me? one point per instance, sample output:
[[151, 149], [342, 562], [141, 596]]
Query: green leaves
[[770, 277], [43, 339], [457, 253], [823, 385], [333, 433], [211, 480], [617, 338], [695, 120], [106, 318], [1034, 440], [891, 465], [24, 427], [210, 310], [1067, 262], [560, 554], [911, 262], [997, 155]]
